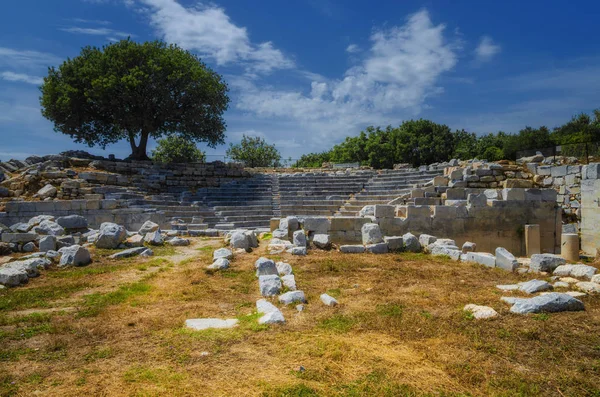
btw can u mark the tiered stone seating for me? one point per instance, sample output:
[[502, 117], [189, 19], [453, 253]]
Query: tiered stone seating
[[385, 187], [244, 203], [318, 194]]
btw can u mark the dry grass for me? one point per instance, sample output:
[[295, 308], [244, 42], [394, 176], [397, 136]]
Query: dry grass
[[116, 328]]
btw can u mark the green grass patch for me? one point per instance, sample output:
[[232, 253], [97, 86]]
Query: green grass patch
[[266, 236], [38, 297], [299, 390], [338, 323], [95, 303], [158, 376], [164, 250], [85, 271], [208, 248], [393, 310], [334, 292]]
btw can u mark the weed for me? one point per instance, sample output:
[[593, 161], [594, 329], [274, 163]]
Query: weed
[[541, 317], [338, 323], [95, 303]]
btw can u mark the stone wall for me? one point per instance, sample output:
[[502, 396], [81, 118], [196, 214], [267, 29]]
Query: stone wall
[[96, 212], [154, 177], [488, 223], [590, 209], [566, 180]]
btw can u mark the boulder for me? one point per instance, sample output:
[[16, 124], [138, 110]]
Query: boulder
[[128, 253], [265, 267], [47, 243], [394, 243], [47, 191], [292, 297], [178, 242], [49, 228], [283, 268], [505, 260], [289, 281], [110, 236], [74, 255], [135, 241], [481, 312], [411, 243], [219, 264], [239, 241], [72, 222], [545, 262], [589, 287], [322, 241], [154, 238], [200, 324], [299, 238], [11, 277], [533, 286], [328, 300], [270, 285], [371, 234], [550, 303], [148, 227], [301, 251], [381, 248], [425, 240], [222, 253], [579, 271]]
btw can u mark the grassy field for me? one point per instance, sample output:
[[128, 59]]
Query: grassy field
[[116, 328]]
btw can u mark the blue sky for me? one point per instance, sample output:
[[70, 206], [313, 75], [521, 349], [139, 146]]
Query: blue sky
[[306, 73]]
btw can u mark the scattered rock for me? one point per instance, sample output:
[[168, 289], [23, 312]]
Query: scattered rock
[[280, 234], [270, 285], [134, 241], [73, 222], [128, 253], [469, 247], [49, 228], [74, 255], [272, 315], [545, 262], [200, 324], [148, 227], [425, 240], [289, 281], [352, 249], [179, 242], [292, 297], [154, 238], [111, 235], [505, 260], [579, 270], [299, 238], [11, 277], [371, 234], [222, 253], [394, 243], [322, 241], [533, 286], [28, 247], [381, 248], [589, 287], [239, 240], [219, 264], [550, 303], [47, 243], [47, 191], [283, 268], [481, 312], [299, 251], [265, 267], [328, 300]]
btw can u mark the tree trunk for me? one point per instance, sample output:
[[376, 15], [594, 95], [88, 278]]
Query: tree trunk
[[138, 152]]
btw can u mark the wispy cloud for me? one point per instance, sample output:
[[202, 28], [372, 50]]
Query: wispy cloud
[[97, 32], [91, 21], [353, 48], [208, 30], [486, 49], [20, 77], [15, 58]]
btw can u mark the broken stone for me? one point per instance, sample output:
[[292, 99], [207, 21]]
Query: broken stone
[[74, 255], [411, 243], [28, 247], [481, 312], [128, 253], [270, 285], [579, 270], [328, 300], [265, 267], [134, 241], [469, 247], [111, 236], [154, 238], [148, 227], [505, 260], [299, 238], [179, 242], [47, 191], [298, 251], [322, 241], [239, 241], [394, 243], [371, 234], [425, 240], [352, 249], [49, 228], [219, 264], [200, 324], [545, 262], [589, 287], [533, 286], [381, 248], [550, 303], [11, 277], [283, 268], [289, 281], [72, 222], [222, 253], [281, 234], [292, 297]]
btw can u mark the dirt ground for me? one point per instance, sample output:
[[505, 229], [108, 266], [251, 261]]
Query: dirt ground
[[116, 328]]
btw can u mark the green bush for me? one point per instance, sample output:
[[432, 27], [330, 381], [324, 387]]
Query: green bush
[[176, 149]]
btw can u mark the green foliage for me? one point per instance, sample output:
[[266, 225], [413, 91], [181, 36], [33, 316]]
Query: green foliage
[[129, 90], [254, 152], [421, 142], [177, 149]]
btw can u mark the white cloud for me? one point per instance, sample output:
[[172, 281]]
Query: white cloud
[[26, 58], [209, 31], [97, 32], [486, 49], [353, 48], [393, 81], [20, 77]]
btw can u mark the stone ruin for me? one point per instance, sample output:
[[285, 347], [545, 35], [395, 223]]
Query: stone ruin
[[515, 217]]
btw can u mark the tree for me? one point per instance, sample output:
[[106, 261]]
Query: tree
[[134, 91], [420, 142], [254, 152], [176, 149]]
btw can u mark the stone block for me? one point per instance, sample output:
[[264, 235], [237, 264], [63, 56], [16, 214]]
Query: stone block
[[18, 237], [544, 170], [482, 258], [418, 211], [513, 194], [559, 171], [533, 195], [456, 194], [517, 183], [505, 260], [380, 248], [444, 212], [352, 249], [385, 211], [318, 225]]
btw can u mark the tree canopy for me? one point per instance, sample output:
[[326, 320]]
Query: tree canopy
[[176, 149], [134, 91], [420, 142], [254, 152]]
